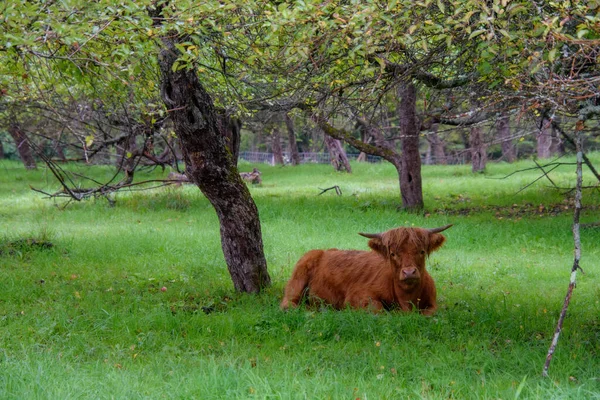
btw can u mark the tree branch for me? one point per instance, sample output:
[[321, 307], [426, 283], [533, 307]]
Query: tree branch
[[569, 139], [341, 134], [577, 243]]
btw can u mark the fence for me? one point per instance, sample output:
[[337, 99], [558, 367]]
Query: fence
[[325, 158], [305, 158]]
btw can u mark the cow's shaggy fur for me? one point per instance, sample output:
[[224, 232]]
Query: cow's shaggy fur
[[390, 276]]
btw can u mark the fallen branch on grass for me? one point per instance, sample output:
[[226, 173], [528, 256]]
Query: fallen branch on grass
[[338, 191]]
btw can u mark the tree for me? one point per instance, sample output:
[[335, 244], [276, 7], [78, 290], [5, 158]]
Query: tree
[[503, 133], [294, 156], [211, 166], [82, 43], [339, 159], [544, 138], [410, 174], [23, 146], [276, 146], [435, 152], [338, 62], [478, 149]]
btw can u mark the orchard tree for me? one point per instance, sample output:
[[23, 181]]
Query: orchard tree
[[332, 60], [112, 45]]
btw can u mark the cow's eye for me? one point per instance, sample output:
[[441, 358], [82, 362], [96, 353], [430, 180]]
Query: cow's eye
[[393, 254], [422, 252]]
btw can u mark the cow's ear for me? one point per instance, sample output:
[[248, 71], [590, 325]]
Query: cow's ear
[[378, 246], [436, 240]]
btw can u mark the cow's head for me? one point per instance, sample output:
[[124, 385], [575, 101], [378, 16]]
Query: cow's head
[[406, 249]]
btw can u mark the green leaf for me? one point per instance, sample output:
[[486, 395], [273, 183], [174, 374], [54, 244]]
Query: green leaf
[[581, 33], [441, 6], [476, 33], [89, 140]]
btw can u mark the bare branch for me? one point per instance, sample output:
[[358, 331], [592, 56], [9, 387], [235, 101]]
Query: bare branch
[[577, 244], [338, 191], [569, 139]]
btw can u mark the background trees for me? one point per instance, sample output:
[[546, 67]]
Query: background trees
[[82, 80]]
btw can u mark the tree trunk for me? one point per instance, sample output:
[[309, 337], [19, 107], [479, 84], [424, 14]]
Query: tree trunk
[[362, 157], [410, 175], [436, 152], [428, 155], [380, 147], [58, 149], [478, 149], [23, 147], [294, 156], [276, 146], [503, 132], [339, 159], [231, 128], [1, 150], [465, 138], [557, 147], [544, 139], [211, 166], [126, 151]]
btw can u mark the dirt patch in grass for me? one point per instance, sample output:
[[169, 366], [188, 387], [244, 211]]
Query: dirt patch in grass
[[519, 210], [23, 246]]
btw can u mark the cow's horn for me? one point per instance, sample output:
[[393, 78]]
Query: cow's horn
[[440, 229], [370, 235]]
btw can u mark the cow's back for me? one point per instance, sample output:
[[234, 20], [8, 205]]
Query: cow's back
[[337, 274]]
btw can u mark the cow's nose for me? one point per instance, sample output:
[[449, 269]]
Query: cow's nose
[[410, 272]]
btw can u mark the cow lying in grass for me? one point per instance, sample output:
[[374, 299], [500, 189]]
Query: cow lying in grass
[[390, 276]]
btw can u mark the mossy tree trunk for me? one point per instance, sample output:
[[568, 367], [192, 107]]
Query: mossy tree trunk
[[410, 174], [211, 166]]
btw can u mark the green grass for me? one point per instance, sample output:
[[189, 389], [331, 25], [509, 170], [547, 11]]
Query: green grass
[[86, 318]]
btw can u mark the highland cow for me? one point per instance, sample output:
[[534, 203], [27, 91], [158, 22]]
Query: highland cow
[[390, 276]]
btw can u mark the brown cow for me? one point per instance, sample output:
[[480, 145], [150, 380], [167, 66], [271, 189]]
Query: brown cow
[[391, 275]]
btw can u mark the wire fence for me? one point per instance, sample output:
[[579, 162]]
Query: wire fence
[[325, 158], [305, 158], [315, 158]]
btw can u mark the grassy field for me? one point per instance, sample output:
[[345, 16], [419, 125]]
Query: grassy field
[[86, 318]]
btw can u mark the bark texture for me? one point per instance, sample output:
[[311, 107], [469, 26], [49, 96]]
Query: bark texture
[[339, 159], [276, 146], [126, 160], [478, 149], [231, 128], [23, 147], [410, 174], [294, 156], [577, 253], [503, 132], [435, 151], [544, 139], [211, 166]]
